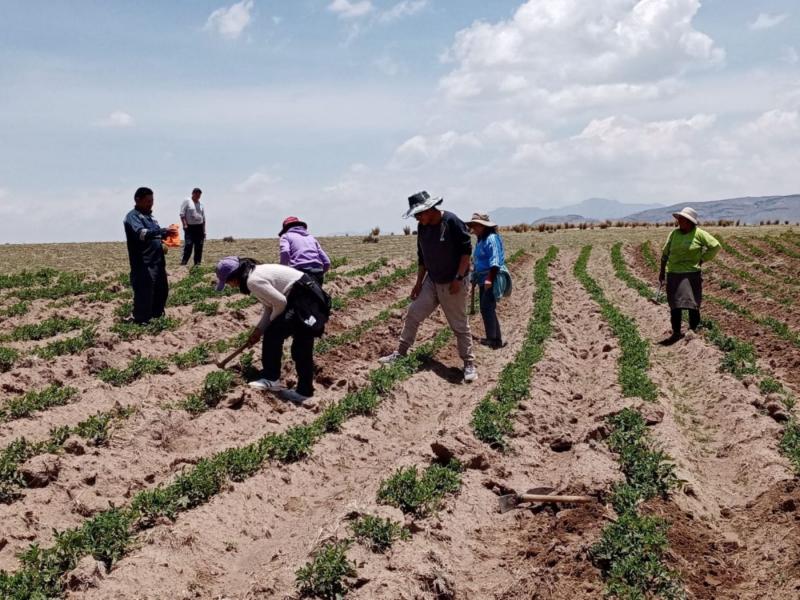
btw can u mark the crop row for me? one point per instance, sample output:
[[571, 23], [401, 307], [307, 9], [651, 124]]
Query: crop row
[[634, 361], [108, 535], [778, 327], [740, 359], [631, 550], [491, 419], [94, 431]]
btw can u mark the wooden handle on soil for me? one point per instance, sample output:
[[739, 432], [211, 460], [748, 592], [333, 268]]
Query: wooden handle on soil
[[545, 498], [221, 363]]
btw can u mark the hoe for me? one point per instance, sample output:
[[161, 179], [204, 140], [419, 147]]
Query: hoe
[[542, 494]]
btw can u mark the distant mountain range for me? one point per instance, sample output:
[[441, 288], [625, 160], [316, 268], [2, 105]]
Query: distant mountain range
[[747, 210], [751, 209], [590, 209]]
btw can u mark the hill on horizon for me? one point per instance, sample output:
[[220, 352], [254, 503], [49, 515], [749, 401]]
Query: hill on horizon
[[589, 209], [748, 209]]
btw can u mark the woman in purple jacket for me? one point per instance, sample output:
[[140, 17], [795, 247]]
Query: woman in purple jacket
[[301, 250]]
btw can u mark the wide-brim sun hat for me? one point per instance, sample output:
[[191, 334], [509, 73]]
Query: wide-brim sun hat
[[290, 222], [687, 213], [420, 202], [481, 219], [225, 268]]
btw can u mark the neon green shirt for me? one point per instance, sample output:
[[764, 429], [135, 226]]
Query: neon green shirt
[[685, 251]]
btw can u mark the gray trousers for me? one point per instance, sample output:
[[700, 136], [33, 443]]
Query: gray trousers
[[454, 307]]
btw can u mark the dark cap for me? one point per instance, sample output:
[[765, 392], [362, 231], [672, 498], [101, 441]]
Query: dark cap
[[197, 191]]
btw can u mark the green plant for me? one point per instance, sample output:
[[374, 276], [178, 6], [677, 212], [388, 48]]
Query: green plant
[[42, 570], [206, 308], [137, 368], [74, 345], [630, 553], [376, 533], [23, 406], [647, 254], [191, 358], [365, 270], [790, 443], [491, 419], [242, 303], [631, 549], [8, 356], [769, 385], [67, 285], [215, 386], [16, 310], [131, 331], [25, 279], [634, 360], [47, 328], [420, 494], [325, 576]]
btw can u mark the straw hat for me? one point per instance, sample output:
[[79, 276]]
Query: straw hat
[[687, 213], [481, 219]]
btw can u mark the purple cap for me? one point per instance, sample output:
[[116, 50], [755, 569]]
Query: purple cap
[[225, 269]]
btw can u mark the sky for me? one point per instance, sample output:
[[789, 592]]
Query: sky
[[337, 110]]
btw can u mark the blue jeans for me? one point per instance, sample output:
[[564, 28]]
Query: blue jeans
[[488, 305]]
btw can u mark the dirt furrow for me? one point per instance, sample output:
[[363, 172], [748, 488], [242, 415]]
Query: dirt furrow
[[285, 510], [158, 442], [784, 357], [725, 450]]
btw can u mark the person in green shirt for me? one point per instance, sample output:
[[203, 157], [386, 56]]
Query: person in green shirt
[[687, 248]]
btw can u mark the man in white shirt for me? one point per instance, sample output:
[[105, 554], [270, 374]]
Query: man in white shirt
[[193, 217]]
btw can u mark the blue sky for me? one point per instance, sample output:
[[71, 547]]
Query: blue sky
[[337, 110]]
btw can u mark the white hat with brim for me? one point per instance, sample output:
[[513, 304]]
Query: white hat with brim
[[421, 202], [481, 219], [687, 213]]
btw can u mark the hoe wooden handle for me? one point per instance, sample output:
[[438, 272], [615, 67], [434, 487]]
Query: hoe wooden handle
[[221, 363], [547, 498]]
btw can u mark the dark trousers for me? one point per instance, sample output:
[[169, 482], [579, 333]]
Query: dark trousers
[[676, 314], [488, 305], [150, 291], [317, 275], [195, 237], [302, 354]]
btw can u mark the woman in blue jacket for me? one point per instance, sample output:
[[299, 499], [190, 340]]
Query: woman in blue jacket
[[490, 274]]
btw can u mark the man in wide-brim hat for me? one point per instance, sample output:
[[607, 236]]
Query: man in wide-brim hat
[[687, 248], [443, 252]]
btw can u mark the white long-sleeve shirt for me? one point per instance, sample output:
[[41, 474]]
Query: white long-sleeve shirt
[[270, 284]]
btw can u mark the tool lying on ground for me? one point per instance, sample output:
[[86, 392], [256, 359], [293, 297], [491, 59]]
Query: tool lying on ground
[[655, 299], [221, 363], [542, 494]]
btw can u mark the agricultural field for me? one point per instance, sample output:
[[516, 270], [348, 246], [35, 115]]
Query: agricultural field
[[132, 467]]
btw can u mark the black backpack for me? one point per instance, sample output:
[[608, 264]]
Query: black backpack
[[309, 307]]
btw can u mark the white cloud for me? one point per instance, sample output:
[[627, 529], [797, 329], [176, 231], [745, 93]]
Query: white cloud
[[600, 51], [231, 21], [257, 183], [772, 125], [421, 150], [767, 21], [406, 8], [345, 9], [118, 118]]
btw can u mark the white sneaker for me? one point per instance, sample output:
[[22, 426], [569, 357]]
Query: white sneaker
[[470, 372], [390, 358], [266, 384], [292, 396]]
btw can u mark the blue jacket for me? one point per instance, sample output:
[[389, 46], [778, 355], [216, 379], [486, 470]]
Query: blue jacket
[[143, 235], [489, 253]]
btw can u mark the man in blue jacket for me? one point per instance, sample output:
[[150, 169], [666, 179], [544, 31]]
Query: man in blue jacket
[[146, 254]]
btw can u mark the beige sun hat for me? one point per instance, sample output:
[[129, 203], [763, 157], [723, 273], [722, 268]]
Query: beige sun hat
[[481, 219], [687, 213]]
